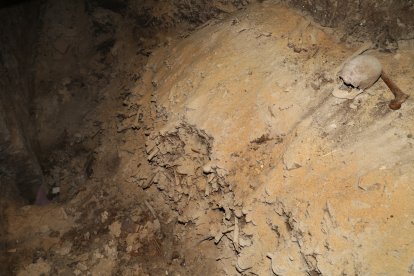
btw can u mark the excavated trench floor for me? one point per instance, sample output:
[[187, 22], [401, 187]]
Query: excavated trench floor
[[229, 155]]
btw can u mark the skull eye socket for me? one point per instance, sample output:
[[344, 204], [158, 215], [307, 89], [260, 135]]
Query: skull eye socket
[[346, 82]]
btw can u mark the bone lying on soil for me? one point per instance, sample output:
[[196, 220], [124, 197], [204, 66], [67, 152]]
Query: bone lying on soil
[[362, 72], [400, 96], [343, 94]]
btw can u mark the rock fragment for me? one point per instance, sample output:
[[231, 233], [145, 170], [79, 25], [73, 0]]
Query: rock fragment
[[115, 229], [277, 267]]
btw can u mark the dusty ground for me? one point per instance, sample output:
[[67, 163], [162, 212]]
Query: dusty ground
[[226, 154]]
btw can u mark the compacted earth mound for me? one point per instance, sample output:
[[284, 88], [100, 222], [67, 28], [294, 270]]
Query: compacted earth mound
[[217, 149]]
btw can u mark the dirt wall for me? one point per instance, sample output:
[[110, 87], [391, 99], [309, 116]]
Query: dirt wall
[[20, 173], [383, 22], [18, 160]]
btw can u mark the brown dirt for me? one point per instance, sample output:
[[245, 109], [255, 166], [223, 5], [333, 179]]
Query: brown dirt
[[222, 153]]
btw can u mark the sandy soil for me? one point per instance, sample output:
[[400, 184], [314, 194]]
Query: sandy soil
[[225, 153]]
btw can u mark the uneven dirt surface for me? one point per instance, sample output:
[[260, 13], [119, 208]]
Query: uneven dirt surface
[[224, 153]]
